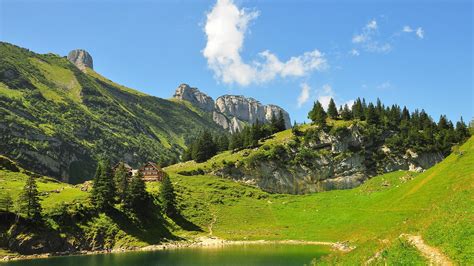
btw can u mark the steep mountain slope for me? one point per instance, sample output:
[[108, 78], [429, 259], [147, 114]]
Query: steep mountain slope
[[56, 119]]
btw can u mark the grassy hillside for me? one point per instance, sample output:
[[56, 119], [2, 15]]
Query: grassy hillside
[[56, 120], [437, 205]]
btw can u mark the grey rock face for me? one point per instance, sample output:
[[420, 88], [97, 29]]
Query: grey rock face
[[194, 96], [339, 162], [81, 58], [232, 112]]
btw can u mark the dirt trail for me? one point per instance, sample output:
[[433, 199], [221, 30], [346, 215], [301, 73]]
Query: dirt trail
[[433, 254]]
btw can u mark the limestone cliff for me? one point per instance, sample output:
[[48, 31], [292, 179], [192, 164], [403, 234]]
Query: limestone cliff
[[232, 112], [322, 161], [81, 58]]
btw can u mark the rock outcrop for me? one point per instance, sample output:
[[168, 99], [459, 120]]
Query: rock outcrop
[[81, 58], [232, 112], [325, 161]]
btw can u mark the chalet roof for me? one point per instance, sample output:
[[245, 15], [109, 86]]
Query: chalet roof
[[126, 165], [152, 164]]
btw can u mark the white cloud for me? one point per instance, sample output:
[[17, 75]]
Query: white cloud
[[354, 52], [420, 33], [384, 85], [325, 95], [407, 29], [304, 94], [367, 39], [372, 25], [225, 28]]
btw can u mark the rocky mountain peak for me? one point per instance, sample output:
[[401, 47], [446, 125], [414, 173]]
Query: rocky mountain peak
[[232, 112], [81, 58], [194, 96]]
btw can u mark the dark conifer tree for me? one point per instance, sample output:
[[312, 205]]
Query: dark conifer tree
[[136, 194], [121, 176], [332, 109], [103, 189], [29, 201], [318, 115], [281, 125], [167, 196], [371, 115], [346, 113]]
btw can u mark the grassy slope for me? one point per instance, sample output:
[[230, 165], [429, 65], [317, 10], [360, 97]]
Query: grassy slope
[[437, 204], [49, 110]]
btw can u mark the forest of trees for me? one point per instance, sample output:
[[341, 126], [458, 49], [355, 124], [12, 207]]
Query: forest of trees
[[206, 145], [408, 129]]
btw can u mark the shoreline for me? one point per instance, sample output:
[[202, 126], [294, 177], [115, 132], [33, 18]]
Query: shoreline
[[200, 242]]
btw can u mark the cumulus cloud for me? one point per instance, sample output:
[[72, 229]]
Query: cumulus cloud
[[420, 33], [384, 85], [304, 94], [367, 39], [225, 28], [407, 29], [354, 52]]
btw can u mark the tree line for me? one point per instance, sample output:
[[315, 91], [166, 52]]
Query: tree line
[[415, 128], [111, 186], [205, 146]]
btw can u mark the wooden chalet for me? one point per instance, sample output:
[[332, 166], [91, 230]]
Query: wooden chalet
[[152, 172], [127, 167]]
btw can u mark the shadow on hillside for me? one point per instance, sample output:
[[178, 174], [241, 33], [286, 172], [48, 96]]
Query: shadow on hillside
[[150, 228], [184, 223]]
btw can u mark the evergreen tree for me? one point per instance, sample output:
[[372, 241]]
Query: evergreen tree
[[358, 110], [332, 109], [371, 115], [29, 201], [318, 115], [405, 114], [222, 142], [6, 202], [121, 176], [236, 141], [443, 123], [103, 189], [462, 131], [273, 125], [346, 113], [204, 148], [281, 125], [167, 196], [136, 194]]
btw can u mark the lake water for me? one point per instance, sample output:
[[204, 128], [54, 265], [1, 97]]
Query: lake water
[[268, 254]]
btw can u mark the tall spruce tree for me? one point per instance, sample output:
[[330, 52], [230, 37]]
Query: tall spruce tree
[[281, 125], [167, 196], [29, 201], [332, 109], [121, 176], [103, 189], [318, 115], [136, 194], [346, 113], [371, 115], [204, 148]]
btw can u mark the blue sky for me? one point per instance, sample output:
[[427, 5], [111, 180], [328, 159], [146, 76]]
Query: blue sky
[[288, 53]]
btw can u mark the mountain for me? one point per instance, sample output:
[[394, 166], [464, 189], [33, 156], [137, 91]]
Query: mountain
[[57, 118], [232, 112]]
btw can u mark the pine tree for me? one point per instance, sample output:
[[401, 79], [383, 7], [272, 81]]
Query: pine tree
[[29, 201], [443, 123], [136, 195], [462, 131], [204, 148], [121, 176], [223, 143], [103, 189], [358, 110], [371, 115], [346, 113], [6, 202], [332, 109], [167, 196], [318, 115], [281, 125], [273, 125], [236, 141]]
